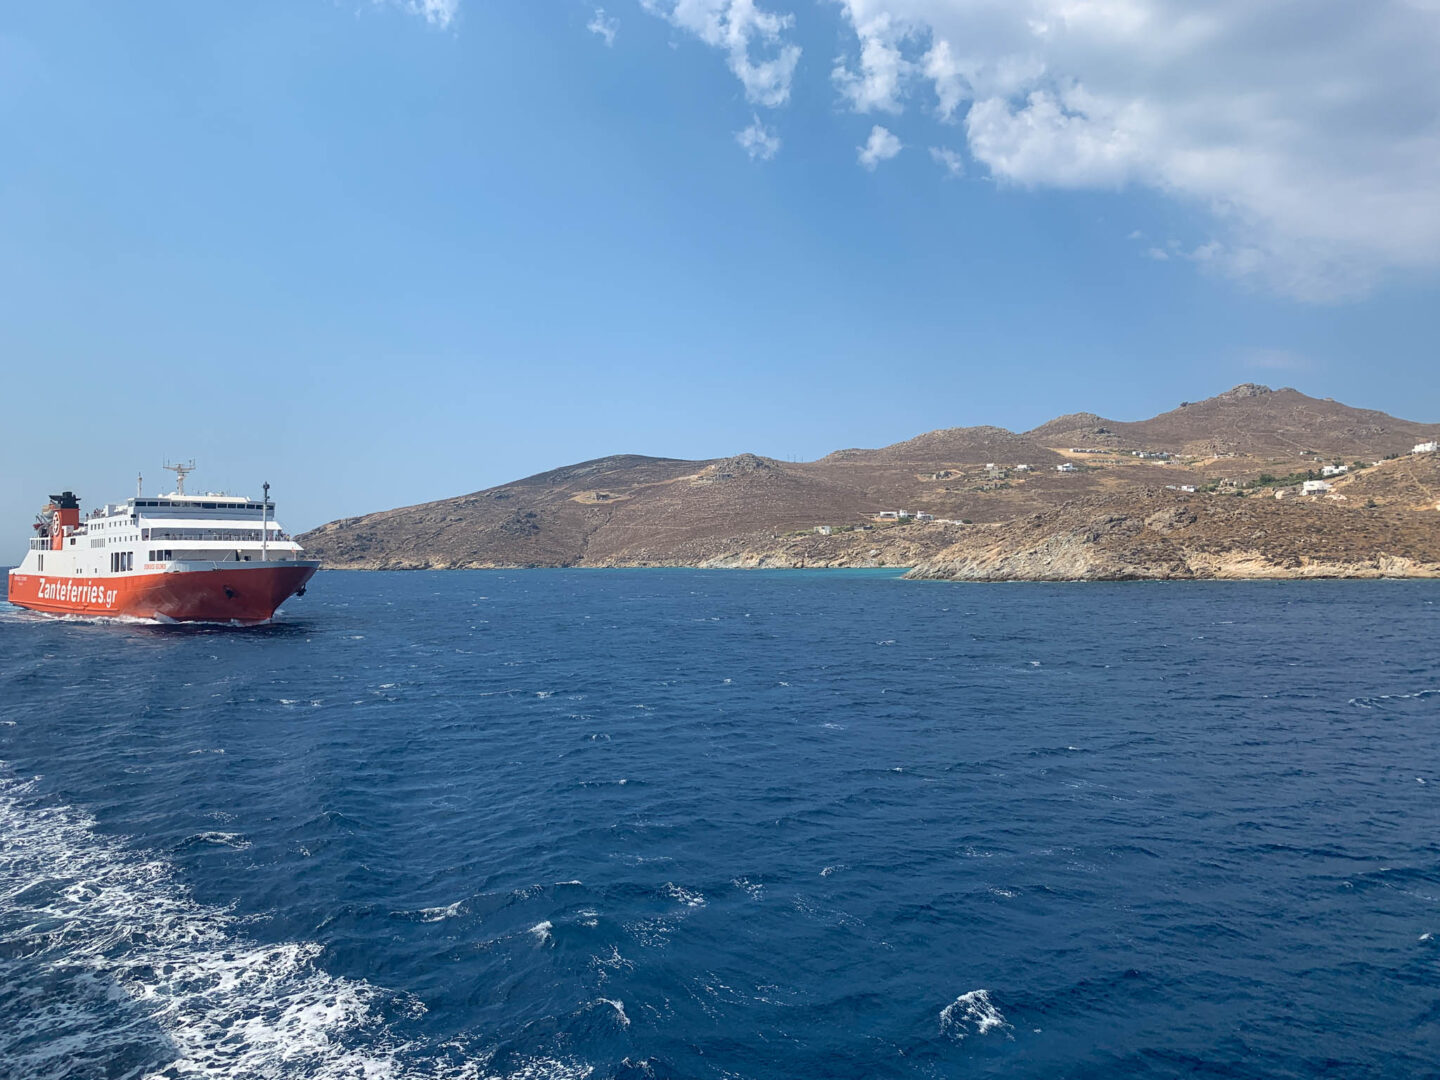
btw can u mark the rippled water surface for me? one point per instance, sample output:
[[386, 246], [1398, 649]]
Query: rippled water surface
[[728, 824]]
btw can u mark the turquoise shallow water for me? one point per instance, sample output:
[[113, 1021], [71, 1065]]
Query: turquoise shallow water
[[728, 824]]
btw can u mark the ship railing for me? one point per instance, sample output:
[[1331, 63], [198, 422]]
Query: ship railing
[[39, 543]]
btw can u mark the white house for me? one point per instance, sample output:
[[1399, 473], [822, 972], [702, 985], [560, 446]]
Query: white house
[[1022, 468], [1066, 467], [922, 516], [1430, 447], [824, 530], [1314, 487], [1334, 470]]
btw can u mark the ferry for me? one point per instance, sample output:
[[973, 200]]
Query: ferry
[[176, 557]]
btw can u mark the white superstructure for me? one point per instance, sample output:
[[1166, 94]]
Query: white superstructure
[[163, 533]]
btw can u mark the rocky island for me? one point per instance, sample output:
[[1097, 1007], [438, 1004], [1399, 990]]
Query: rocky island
[[1252, 483]]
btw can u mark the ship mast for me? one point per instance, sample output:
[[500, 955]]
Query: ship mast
[[264, 520], [181, 471]]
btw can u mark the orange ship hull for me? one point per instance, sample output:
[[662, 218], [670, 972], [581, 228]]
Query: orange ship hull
[[239, 592]]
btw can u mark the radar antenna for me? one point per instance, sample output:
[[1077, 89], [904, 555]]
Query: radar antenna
[[181, 471]]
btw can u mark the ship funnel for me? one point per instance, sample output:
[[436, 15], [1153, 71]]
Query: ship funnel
[[66, 507]]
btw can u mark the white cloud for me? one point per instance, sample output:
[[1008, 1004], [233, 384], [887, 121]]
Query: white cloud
[[603, 25], [760, 142], [881, 146], [436, 12], [753, 40], [953, 162], [877, 86], [1158, 254], [1310, 133]]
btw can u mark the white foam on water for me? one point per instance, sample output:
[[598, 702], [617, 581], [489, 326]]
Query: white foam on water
[[614, 961], [754, 889], [125, 958], [688, 897], [541, 930], [972, 1014], [439, 914], [1374, 702], [220, 839], [619, 1007]]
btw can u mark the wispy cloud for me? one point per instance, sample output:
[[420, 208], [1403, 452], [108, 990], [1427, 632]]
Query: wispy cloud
[[603, 25], [881, 146], [439, 13], [753, 39], [1312, 135], [759, 141], [954, 164], [1158, 254], [878, 85]]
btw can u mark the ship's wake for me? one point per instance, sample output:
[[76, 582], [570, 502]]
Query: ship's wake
[[111, 967]]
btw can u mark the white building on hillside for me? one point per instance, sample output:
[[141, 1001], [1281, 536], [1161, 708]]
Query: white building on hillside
[[1066, 467], [1430, 447], [1334, 470], [1315, 487]]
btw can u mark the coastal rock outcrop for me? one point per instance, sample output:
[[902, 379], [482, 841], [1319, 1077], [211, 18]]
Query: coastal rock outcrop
[[1168, 535]]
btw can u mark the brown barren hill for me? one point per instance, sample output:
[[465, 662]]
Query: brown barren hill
[[633, 510], [1410, 482], [1167, 535], [1250, 420]]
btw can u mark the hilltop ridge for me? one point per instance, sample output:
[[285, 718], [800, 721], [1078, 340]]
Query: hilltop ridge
[[747, 509]]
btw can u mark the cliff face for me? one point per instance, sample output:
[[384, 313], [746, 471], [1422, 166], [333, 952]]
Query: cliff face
[[1167, 535]]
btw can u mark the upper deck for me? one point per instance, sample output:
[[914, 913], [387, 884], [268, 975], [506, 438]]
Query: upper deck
[[189, 508], [207, 520]]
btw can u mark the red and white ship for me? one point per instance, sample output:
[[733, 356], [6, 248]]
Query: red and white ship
[[187, 558]]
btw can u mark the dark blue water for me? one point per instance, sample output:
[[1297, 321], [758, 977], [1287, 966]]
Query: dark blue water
[[714, 824]]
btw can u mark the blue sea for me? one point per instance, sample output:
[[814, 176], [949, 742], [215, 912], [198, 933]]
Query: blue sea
[[641, 824]]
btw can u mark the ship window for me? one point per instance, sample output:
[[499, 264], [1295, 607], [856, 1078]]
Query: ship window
[[41, 567]]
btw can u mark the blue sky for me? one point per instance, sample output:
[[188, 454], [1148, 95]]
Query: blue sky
[[384, 252]]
